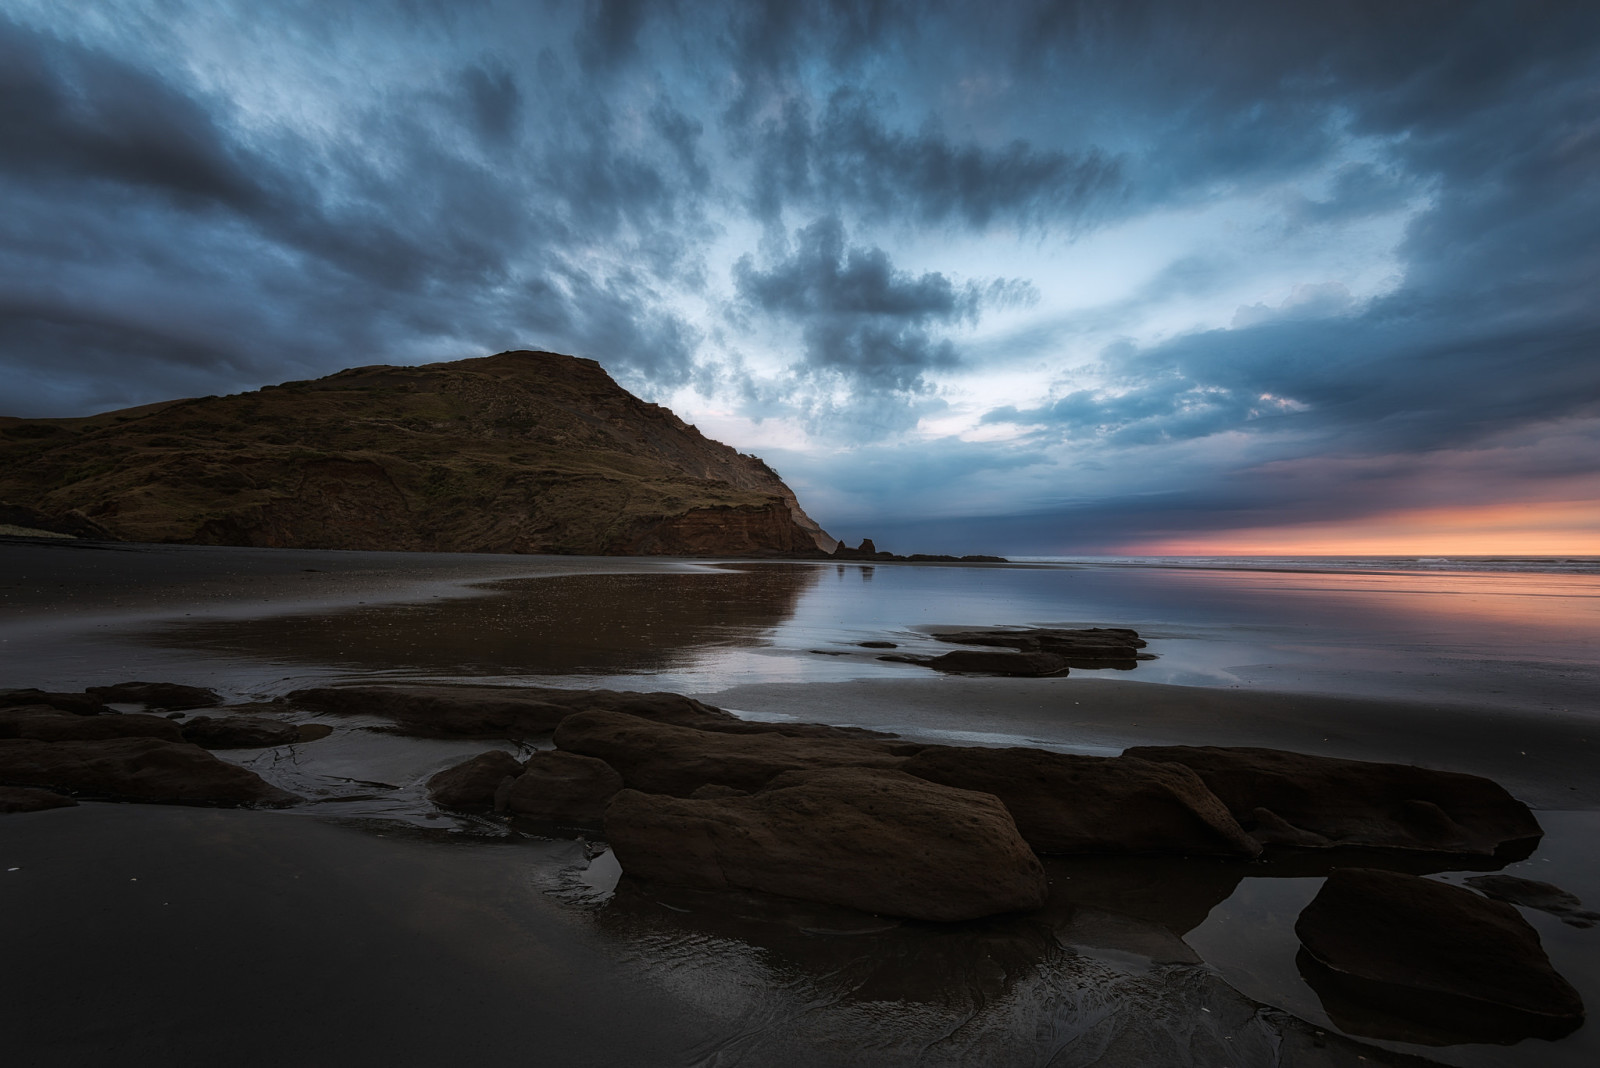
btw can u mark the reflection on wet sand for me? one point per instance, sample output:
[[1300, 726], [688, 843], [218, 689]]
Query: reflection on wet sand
[[1100, 976], [577, 624]]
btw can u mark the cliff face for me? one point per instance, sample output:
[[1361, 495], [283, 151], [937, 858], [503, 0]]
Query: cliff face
[[529, 452]]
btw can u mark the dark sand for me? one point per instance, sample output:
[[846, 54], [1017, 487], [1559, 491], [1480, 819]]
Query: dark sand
[[371, 930]]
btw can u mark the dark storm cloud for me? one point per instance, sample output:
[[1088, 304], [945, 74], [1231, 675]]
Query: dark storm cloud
[[73, 114], [861, 317], [849, 157]]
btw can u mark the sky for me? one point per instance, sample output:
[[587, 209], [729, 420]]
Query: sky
[[1033, 278]]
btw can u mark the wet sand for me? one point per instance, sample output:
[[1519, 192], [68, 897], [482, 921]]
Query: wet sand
[[367, 928]]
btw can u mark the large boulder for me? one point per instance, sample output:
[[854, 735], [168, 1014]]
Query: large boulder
[[170, 696], [881, 841], [1321, 802], [46, 724], [135, 769], [497, 711], [557, 785], [662, 758], [1462, 967], [1064, 803], [473, 783]]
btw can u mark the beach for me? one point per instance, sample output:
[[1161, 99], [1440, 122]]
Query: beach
[[370, 927]]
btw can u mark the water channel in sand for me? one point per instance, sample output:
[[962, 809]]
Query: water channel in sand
[[1113, 971]]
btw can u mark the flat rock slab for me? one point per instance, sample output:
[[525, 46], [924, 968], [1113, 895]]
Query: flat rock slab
[[240, 732], [881, 841], [81, 704], [135, 769], [664, 758], [47, 724], [1063, 803], [996, 662], [1459, 966], [1295, 799], [1086, 644], [496, 711], [168, 696]]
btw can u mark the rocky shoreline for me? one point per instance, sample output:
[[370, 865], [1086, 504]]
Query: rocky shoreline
[[692, 797]]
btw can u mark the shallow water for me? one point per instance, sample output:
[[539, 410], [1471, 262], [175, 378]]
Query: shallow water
[[1108, 975]]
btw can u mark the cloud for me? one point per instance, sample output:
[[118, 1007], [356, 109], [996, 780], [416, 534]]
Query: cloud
[[848, 158]]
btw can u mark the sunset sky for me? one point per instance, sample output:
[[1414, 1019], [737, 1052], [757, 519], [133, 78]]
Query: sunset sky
[[1040, 278]]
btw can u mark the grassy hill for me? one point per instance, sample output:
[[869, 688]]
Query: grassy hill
[[530, 452]]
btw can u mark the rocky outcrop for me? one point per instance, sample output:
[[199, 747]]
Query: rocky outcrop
[[135, 769], [80, 704], [870, 839], [1461, 967], [1295, 799], [521, 452], [662, 758], [1063, 803]]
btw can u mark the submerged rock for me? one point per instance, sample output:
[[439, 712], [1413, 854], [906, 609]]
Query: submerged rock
[[995, 662], [1536, 895], [1086, 644], [557, 785], [240, 732], [1295, 799], [663, 758], [472, 784], [46, 724], [1064, 803], [28, 799], [167, 696], [871, 839], [1457, 966], [135, 769]]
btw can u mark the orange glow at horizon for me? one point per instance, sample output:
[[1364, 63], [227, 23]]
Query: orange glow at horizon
[[1535, 528]]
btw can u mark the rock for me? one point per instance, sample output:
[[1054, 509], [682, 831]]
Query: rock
[[167, 696], [713, 790], [136, 769], [994, 662], [1086, 644], [46, 724], [512, 712], [877, 645], [1439, 955], [1356, 802], [1536, 895], [557, 785], [662, 758], [881, 841], [81, 704], [1063, 803], [27, 799], [240, 732], [472, 783]]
